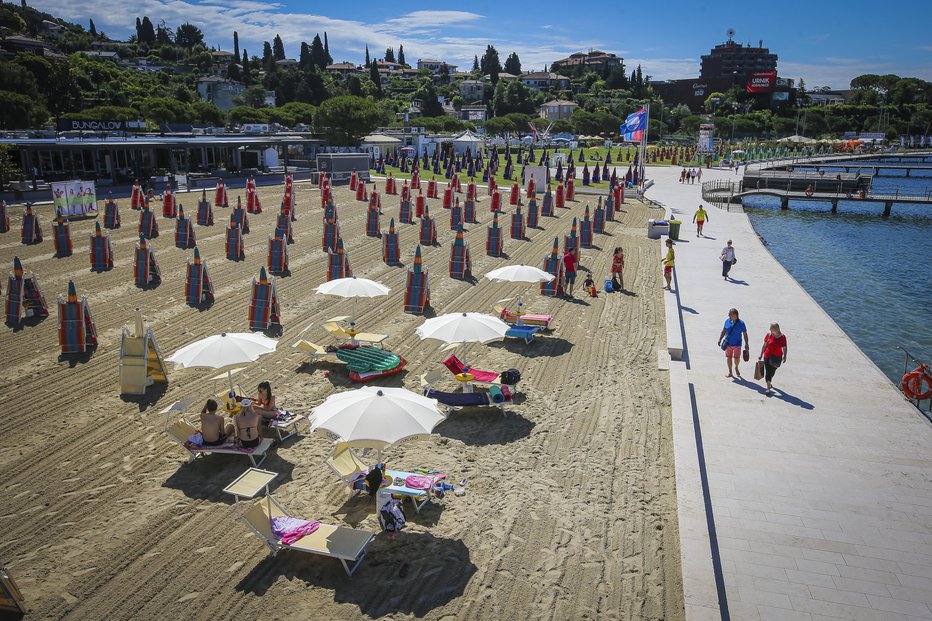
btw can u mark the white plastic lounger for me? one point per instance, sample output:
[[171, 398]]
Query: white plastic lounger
[[340, 542], [181, 430], [337, 327]]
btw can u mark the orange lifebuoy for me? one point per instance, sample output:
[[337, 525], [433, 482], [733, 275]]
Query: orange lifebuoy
[[912, 383]]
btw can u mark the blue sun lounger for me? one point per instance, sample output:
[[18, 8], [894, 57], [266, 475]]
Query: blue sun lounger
[[525, 333]]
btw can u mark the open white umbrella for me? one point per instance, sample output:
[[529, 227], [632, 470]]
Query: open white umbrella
[[376, 417], [519, 273], [463, 328], [223, 350], [353, 287]]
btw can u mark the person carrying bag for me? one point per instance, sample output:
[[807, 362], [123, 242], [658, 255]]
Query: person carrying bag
[[772, 356]]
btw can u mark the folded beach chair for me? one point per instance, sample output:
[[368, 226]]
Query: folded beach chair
[[515, 194], [23, 296], [610, 208], [181, 431], [517, 224], [404, 212], [288, 198], [317, 352], [598, 220], [4, 217], [148, 225], [456, 367], [169, 206], [585, 230], [31, 232], [339, 542], [101, 250], [372, 220], [460, 262], [560, 198], [494, 242], [496, 203], [234, 242], [553, 264], [205, 212], [338, 329], [391, 252], [571, 241], [61, 236], [417, 288], [448, 197], [77, 332], [570, 190], [428, 233], [11, 598], [338, 265], [283, 226], [198, 289], [239, 217], [146, 271], [510, 316], [456, 216], [264, 310], [141, 363], [532, 212], [546, 206], [184, 231], [278, 255]]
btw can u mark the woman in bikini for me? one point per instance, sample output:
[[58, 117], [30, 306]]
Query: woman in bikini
[[214, 429], [264, 403], [247, 427]]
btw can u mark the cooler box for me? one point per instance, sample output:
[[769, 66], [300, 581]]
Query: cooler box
[[675, 229], [656, 228]]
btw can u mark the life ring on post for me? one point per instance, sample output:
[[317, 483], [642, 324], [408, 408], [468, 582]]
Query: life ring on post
[[912, 384]]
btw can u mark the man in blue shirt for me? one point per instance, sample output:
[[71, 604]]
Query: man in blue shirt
[[731, 333]]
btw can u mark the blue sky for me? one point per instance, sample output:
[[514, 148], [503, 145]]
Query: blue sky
[[826, 42]]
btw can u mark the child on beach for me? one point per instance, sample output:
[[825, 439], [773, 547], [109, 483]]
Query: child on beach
[[589, 286], [618, 266], [668, 264]]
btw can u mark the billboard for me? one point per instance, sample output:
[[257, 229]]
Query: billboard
[[706, 135], [75, 125], [74, 198], [762, 81]]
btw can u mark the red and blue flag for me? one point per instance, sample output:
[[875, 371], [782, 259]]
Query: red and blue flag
[[635, 124]]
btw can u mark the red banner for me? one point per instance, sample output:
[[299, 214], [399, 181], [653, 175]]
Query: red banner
[[762, 81]]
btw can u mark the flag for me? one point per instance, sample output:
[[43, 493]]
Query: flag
[[533, 131], [635, 124]]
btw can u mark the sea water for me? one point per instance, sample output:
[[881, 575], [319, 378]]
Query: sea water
[[872, 275]]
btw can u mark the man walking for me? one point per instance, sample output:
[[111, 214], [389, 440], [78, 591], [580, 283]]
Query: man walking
[[728, 259], [700, 218], [569, 272]]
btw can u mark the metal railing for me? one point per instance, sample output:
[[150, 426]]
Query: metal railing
[[927, 411], [721, 192]]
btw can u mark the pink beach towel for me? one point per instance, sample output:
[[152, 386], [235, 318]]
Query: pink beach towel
[[292, 529]]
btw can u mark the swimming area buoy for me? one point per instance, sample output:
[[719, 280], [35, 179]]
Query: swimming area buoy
[[912, 383]]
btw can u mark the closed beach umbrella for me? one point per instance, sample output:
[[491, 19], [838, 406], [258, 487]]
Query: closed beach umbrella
[[222, 351], [376, 417], [463, 328], [519, 273], [353, 287]]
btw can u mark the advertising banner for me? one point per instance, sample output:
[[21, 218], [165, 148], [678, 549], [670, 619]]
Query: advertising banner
[[706, 135], [762, 81], [74, 198]]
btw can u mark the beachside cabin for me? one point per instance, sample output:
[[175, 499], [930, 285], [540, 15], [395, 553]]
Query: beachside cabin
[[141, 362]]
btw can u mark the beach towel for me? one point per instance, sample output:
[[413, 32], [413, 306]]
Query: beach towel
[[419, 481], [291, 529]]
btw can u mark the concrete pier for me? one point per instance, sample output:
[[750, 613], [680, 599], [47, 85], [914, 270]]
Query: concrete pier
[[814, 503]]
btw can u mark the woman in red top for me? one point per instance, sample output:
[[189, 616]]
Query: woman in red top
[[618, 265], [773, 353]]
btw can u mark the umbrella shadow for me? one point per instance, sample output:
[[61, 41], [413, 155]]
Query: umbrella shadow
[[205, 478], [151, 397], [412, 575], [551, 346], [485, 426]]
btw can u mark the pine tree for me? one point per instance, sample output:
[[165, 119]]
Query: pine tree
[[304, 60], [475, 63], [233, 72], [278, 48], [138, 30], [390, 55], [376, 79], [148, 30], [513, 64], [318, 58], [327, 49], [490, 64], [235, 45], [247, 76], [93, 29], [367, 56], [401, 55]]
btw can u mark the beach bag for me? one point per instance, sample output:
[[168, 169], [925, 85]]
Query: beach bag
[[511, 377], [374, 480], [759, 370], [746, 354], [608, 286], [392, 516]]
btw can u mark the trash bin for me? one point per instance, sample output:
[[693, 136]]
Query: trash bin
[[656, 228], [675, 229]]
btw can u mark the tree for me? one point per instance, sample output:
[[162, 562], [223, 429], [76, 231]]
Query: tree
[[278, 48], [8, 168], [254, 96], [513, 64], [401, 55], [247, 75], [147, 31], [430, 106], [318, 57], [233, 72], [490, 64], [347, 119], [376, 79], [304, 60], [475, 64], [802, 96], [354, 86], [327, 50], [367, 56], [93, 29], [389, 55], [268, 61], [188, 35], [236, 45], [163, 34]]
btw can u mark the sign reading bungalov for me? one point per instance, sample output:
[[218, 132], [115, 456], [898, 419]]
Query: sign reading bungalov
[[76, 125], [761, 81]]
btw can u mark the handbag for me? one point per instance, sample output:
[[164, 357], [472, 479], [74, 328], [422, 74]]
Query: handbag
[[746, 355], [759, 370], [727, 336]]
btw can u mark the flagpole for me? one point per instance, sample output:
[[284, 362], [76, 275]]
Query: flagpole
[[644, 142]]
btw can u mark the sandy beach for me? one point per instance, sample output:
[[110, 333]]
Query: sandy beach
[[570, 511]]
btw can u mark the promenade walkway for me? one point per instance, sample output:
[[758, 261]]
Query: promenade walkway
[[815, 503]]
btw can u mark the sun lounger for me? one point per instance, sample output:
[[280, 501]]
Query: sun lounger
[[509, 316], [347, 465], [181, 430], [317, 352], [399, 487], [525, 333], [497, 396], [339, 542], [335, 327], [457, 368]]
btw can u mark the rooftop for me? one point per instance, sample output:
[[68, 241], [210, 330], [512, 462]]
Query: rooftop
[[560, 102]]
